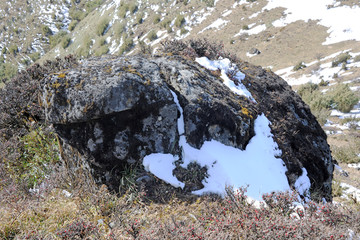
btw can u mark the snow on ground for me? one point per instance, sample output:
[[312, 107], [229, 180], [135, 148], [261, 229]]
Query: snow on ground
[[325, 71], [199, 16], [258, 166], [252, 31], [226, 13], [341, 28], [354, 165], [45, 14], [354, 113], [218, 24], [350, 191]]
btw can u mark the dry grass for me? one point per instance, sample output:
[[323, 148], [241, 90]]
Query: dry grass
[[95, 213]]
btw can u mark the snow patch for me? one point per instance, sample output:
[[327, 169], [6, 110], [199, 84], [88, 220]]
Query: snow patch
[[340, 28], [226, 66], [218, 24]]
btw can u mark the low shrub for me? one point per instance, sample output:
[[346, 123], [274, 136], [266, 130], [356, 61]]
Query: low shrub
[[133, 7], [46, 30], [348, 154], [127, 45], [7, 71], [245, 27], [34, 56], [102, 41], [342, 58], [339, 97], [139, 18], [209, 3], [152, 35], [77, 14], [342, 97], [156, 19], [72, 25], [91, 5], [299, 66], [318, 102], [123, 9], [102, 27], [357, 58], [14, 49], [65, 42], [165, 23], [183, 31], [179, 21], [57, 38]]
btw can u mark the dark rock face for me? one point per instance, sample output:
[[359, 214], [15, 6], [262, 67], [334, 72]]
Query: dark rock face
[[115, 111]]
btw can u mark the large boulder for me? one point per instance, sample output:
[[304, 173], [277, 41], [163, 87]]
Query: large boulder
[[116, 111]]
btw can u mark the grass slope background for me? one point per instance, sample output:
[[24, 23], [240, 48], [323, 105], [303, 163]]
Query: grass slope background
[[35, 31]]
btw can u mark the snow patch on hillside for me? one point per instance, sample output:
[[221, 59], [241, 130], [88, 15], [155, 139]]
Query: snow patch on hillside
[[341, 28], [217, 25], [252, 31]]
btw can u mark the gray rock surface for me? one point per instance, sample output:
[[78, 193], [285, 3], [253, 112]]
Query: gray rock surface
[[116, 110]]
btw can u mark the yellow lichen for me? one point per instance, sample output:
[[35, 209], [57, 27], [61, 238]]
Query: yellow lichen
[[129, 69], [246, 112], [56, 85], [61, 75]]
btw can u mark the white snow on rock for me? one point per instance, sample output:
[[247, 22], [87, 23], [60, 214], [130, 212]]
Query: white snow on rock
[[225, 66], [341, 28], [303, 184], [162, 166]]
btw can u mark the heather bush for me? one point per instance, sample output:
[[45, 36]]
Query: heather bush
[[79, 229]]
